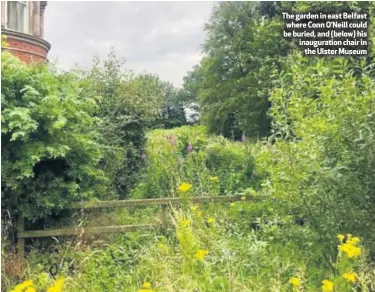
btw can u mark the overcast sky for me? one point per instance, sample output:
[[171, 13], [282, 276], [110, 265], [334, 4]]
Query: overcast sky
[[164, 38]]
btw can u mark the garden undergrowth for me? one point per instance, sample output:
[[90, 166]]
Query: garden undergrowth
[[240, 246]]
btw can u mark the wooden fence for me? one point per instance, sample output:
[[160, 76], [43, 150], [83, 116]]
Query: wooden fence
[[22, 234]]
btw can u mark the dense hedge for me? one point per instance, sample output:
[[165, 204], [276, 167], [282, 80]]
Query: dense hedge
[[76, 135], [50, 153]]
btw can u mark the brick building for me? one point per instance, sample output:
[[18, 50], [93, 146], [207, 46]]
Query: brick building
[[23, 24]]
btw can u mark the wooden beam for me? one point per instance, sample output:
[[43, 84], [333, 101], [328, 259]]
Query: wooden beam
[[164, 217], [87, 230], [159, 201], [20, 241]]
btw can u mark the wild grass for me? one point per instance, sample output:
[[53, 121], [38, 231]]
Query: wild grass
[[242, 246]]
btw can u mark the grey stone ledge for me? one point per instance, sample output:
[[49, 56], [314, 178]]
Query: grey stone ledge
[[15, 35]]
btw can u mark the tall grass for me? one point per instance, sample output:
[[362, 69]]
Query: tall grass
[[242, 246]]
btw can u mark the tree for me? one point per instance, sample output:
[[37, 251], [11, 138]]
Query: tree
[[188, 95], [241, 48], [129, 105], [165, 100], [244, 49]]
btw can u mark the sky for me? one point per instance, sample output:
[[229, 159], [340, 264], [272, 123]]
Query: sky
[[164, 38]]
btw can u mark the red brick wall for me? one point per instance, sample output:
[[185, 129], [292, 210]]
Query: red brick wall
[[26, 51]]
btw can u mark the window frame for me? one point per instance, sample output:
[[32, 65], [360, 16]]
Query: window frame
[[20, 11]]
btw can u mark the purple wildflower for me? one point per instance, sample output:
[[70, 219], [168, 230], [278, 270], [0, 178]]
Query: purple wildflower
[[189, 148]]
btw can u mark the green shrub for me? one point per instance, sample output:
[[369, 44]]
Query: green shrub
[[321, 162], [50, 150]]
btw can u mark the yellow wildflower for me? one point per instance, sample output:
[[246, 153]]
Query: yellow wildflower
[[199, 213], [184, 187], [146, 287], [340, 237], [185, 223], [327, 286], [194, 208], [211, 220], [214, 178], [59, 283], [295, 282], [350, 277], [28, 283], [201, 254], [350, 247], [57, 287], [350, 250], [30, 289], [23, 286], [354, 240], [243, 198]]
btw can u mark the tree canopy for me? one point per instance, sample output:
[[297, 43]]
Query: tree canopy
[[244, 52]]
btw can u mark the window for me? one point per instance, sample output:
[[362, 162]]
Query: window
[[16, 15]]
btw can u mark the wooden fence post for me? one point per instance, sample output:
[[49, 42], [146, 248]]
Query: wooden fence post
[[20, 241], [164, 217]]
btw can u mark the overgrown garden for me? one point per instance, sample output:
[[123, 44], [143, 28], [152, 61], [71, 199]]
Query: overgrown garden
[[295, 132]]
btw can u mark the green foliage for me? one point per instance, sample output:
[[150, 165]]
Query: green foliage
[[123, 118], [166, 101], [243, 47], [321, 161], [75, 136], [50, 149], [315, 173], [129, 105], [188, 95], [215, 165], [234, 78], [238, 257]]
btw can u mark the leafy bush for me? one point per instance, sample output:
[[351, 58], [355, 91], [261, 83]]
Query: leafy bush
[[50, 149], [321, 161]]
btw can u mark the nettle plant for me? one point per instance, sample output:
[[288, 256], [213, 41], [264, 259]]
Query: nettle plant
[[48, 140]]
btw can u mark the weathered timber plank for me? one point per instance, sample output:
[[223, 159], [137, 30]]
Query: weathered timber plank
[[164, 217], [158, 201], [20, 241], [87, 230]]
